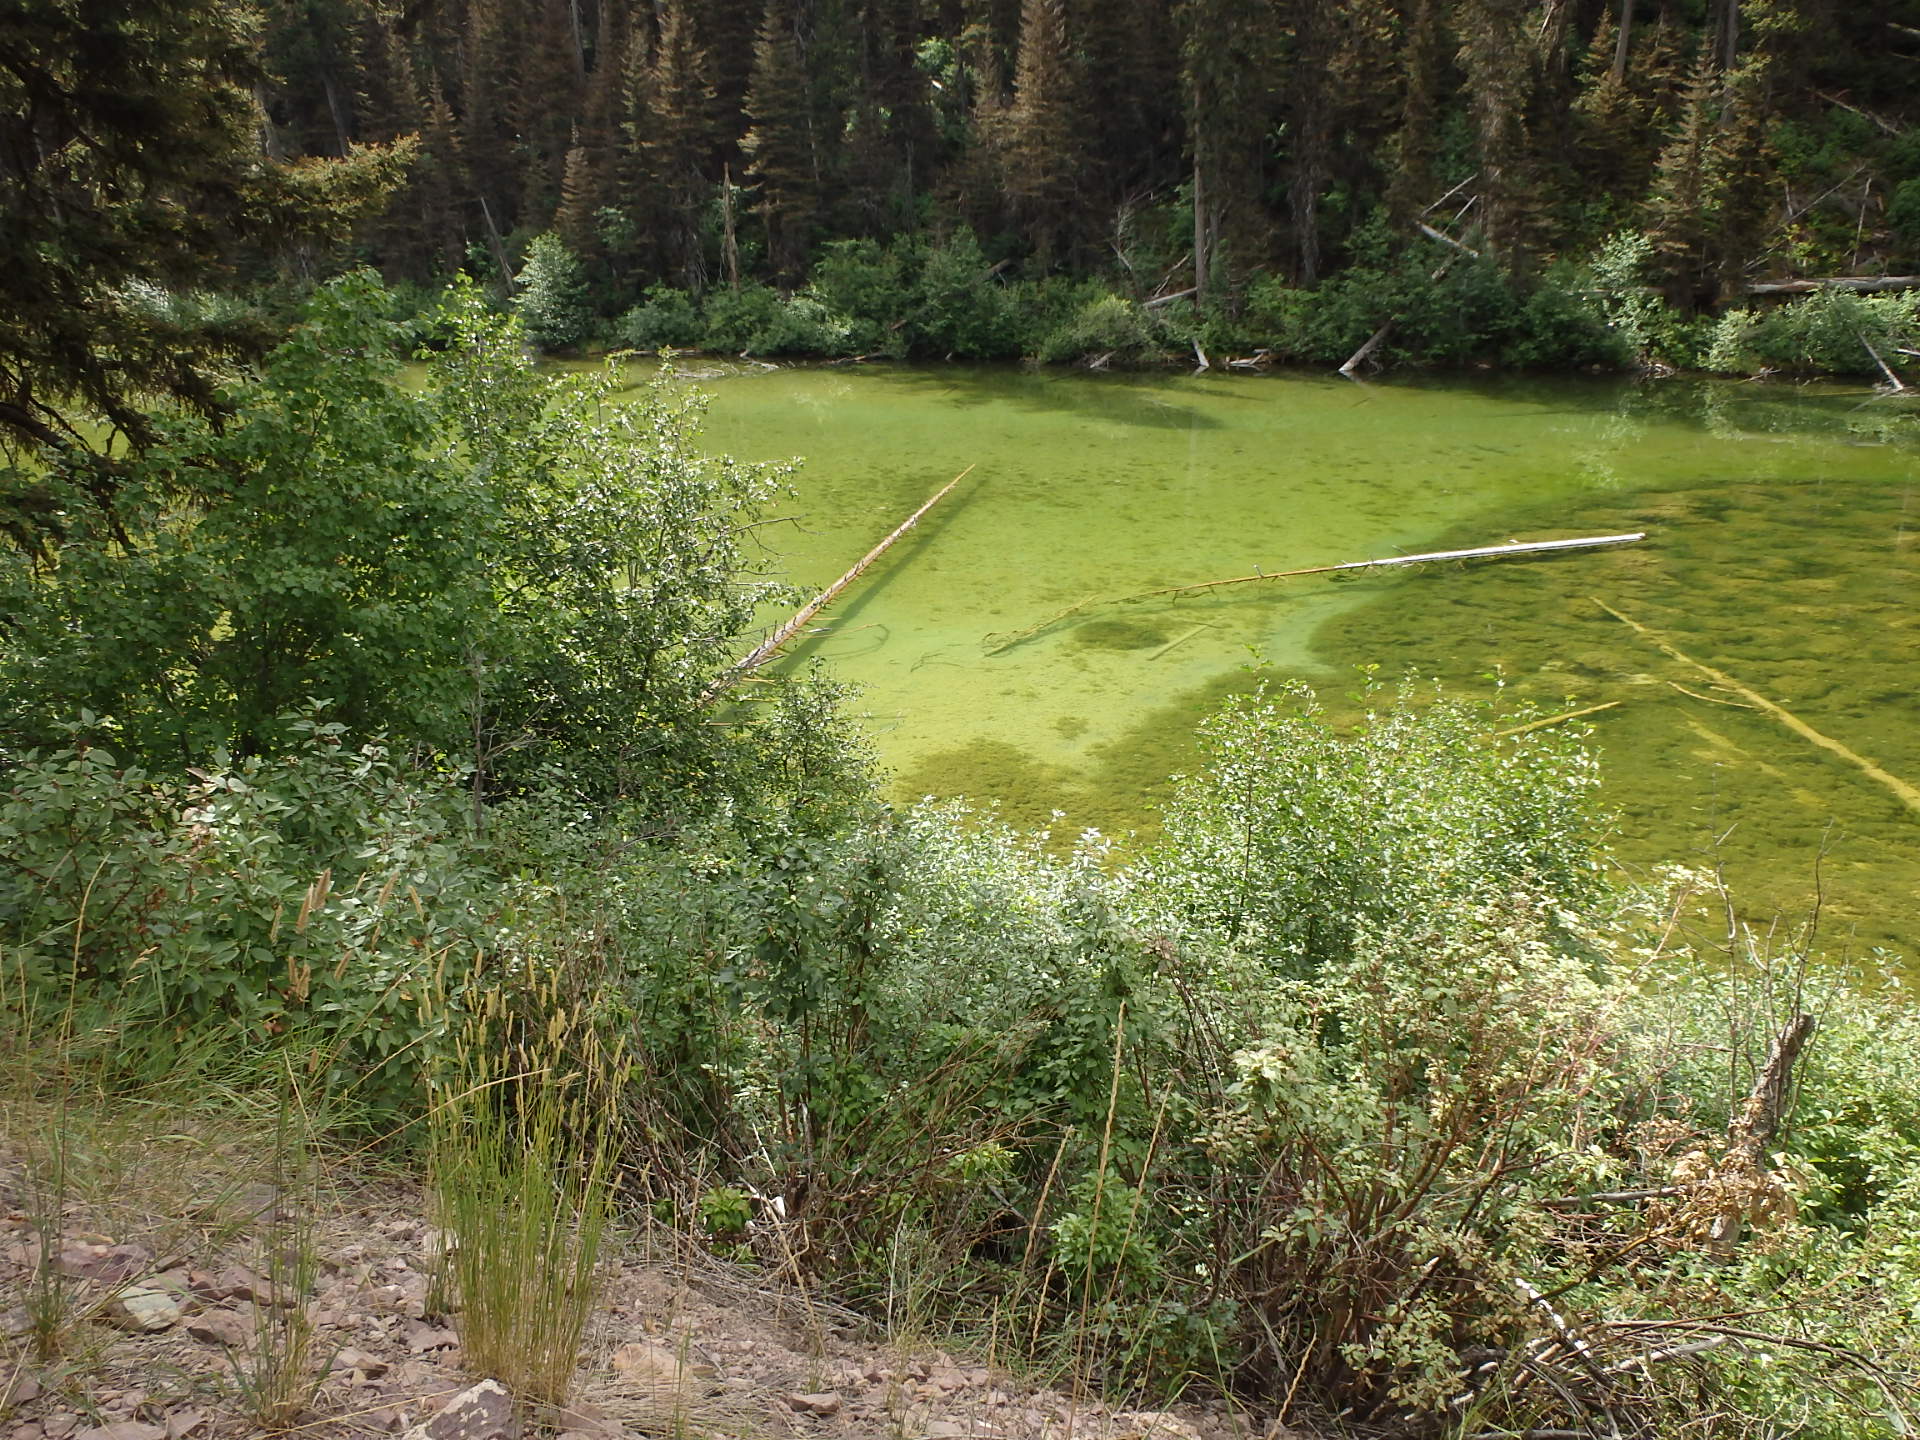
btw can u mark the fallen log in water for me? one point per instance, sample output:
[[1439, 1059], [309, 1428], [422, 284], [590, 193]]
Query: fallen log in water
[[771, 645], [1907, 793], [1482, 552], [1007, 640]]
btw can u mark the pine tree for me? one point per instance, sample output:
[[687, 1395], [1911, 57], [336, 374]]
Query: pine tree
[[1411, 186], [784, 163], [1230, 64], [494, 39], [1044, 130], [545, 106], [1496, 53], [671, 129]]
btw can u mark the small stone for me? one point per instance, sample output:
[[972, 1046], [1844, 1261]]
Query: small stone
[[821, 1403], [59, 1427], [221, 1327], [944, 1430], [640, 1363], [148, 1311], [370, 1367], [124, 1430], [422, 1337], [483, 1412], [181, 1423], [585, 1422]]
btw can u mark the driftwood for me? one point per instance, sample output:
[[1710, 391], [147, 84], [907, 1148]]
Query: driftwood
[[1180, 639], [1757, 1123], [1006, 640], [1481, 552], [1892, 379], [1365, 352], [771, 646], [1542, 724], [1166, 299], [1907, 793], [1858, 284]]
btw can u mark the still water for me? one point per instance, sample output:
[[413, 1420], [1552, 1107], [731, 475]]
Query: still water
[[1781, 553]]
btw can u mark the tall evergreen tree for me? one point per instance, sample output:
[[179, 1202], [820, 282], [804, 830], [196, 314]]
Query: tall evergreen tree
[[784, 161], [1045, 132], [671, 128]]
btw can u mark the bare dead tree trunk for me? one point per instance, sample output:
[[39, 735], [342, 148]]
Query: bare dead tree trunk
[[1622, 41]]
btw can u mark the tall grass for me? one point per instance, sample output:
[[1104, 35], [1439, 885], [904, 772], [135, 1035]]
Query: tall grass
[[521, 1162]]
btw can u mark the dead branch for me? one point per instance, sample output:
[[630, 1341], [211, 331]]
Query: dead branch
[[1907, 793], [770, 647]]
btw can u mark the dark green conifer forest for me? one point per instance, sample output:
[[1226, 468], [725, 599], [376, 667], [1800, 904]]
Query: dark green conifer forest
[[1164, 145]]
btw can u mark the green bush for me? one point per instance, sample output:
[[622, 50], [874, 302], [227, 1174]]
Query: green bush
[[960, 309], [1827, 332], [552, 300], [1108, 329], [666, 319], [867, 285], [1296, 840], [758, 320]]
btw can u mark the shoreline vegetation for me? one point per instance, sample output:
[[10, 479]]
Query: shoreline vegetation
[[1367, 1097], [912, 302]]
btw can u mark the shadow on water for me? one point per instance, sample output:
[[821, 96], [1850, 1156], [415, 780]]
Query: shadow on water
[[1144, 399]]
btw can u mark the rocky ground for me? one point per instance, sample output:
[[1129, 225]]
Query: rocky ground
[[177, 1323]]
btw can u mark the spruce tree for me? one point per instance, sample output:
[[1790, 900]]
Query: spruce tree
[[1045, 130], [671, 127], [784, 165]]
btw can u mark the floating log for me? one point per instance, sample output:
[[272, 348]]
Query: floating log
[[1858, 284], [1006, 640], [1553, 720], [1179, 640], [1907, 793], [1482, 552], [771, 646]]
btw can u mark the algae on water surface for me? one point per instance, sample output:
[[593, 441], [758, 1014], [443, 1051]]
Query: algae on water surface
[[1781, 529]]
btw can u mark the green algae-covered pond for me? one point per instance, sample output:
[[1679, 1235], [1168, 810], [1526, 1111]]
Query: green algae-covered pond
[[1781, 553]]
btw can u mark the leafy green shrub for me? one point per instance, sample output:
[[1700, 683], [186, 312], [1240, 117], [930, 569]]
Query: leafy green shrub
[[867, 285], [315, 896], [552, 300], [1295, 840], [1108, 329], [758, 320], [959, 309], [666, 319], [1827, 332]]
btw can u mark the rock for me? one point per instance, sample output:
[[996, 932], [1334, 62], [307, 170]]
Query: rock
[[369, 1367], [944, 1430], [59, 1427], [110, 1264], [1152, 1425], [181, 1423], [237, 1282], [483, 1412], [221, 1327], [654, 1366], [422, 1337], [123, 1430], [821, 1403], [15, 1322], [146, 1311], [585, 1422]]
